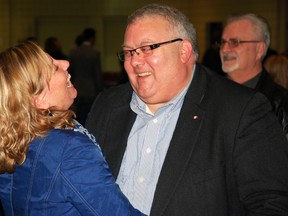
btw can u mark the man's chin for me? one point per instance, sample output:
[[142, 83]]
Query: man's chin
[[229, 69]]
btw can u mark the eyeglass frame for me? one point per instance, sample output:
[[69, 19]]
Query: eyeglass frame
[[234, 42], [121, 54]]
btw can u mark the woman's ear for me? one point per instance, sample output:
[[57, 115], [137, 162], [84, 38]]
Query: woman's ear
[[40, 103], [186, 51]]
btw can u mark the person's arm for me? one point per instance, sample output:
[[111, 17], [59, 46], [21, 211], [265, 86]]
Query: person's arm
[[260, 160], [89, 182]]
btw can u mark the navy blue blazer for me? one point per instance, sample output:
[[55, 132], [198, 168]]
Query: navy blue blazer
[[232, 159]]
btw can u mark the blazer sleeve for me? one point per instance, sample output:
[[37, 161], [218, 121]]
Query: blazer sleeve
[[260, 160], [88, 182]]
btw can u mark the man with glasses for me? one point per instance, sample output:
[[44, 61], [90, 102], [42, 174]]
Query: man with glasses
[[245, 41], [181, 140]]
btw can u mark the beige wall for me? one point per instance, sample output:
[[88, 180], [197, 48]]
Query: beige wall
[[22, 18], [4, 24]]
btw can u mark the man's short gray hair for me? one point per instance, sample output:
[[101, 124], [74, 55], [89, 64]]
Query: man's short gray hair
[[260, 24], [179, 22]]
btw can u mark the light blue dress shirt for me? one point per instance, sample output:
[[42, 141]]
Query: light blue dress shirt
[[147, 146]]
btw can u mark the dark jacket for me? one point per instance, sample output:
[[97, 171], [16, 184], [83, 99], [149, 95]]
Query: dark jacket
[[228, 154], [277, 95]]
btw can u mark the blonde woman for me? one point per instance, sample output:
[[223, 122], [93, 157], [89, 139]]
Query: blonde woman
[[49, 164]]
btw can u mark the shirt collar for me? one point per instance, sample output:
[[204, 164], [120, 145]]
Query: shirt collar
[[252, 82]]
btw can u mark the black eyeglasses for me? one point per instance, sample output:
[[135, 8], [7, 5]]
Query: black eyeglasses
[[234, 42], [144, 50]]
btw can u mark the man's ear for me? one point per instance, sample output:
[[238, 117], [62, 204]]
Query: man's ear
[[261, 48], [40, 103], [186, 51]]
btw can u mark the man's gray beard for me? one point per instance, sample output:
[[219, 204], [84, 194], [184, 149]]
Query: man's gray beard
[[230, 69]]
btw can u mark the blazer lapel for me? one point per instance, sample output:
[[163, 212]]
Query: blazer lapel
[[182, 144], [120, 123]]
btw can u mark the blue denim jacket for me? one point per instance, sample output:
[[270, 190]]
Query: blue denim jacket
[[64, 173]]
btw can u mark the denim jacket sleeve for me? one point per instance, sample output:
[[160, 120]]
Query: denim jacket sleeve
[[87, 181]]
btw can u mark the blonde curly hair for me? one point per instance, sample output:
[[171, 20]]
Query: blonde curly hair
[[25, 70]]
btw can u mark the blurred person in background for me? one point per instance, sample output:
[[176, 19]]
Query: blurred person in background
[[277, 67], [86, 72], [245, 41], [54, 49], [211, 57]]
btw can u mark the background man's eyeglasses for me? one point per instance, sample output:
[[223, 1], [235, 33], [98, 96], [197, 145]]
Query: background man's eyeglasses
[[234, 42], [144, 50]]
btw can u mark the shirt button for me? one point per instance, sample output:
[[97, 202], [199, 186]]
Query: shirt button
[[155, 120], [148, 150], [141, 179]]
